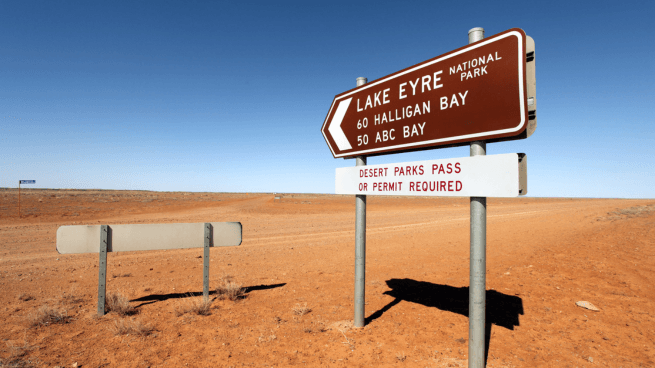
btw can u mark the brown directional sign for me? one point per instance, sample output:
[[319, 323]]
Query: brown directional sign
[[475, 93]]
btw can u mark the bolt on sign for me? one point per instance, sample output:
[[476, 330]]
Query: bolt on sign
[[483, 91]]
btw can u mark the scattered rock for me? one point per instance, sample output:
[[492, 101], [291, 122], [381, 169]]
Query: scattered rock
[[587, 305]]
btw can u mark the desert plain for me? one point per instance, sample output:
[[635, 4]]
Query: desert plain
[[296, 269]]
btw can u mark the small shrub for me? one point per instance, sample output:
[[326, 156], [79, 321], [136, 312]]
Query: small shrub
[[200, 306], [230, 290], [17, 357], [118, 303], [15, 362], [132, 327], [301, 310], [401, 356], [71, 297], [269, 338], [48, 315]]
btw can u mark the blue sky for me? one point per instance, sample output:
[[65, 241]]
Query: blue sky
[[230, 96]]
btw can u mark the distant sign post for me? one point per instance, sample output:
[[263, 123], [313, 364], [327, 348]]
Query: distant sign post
[[19, 183], [482, 91], [479, 93]]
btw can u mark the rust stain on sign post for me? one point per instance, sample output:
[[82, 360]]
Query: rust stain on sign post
[[477, 92]]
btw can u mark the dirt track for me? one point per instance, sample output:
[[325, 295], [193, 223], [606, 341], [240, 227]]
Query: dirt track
[[543, 255]]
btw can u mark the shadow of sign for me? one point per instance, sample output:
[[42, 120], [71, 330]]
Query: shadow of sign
[[149, 299], [502, 309]]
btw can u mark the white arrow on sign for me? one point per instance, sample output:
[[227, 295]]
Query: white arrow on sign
[[335, 126]]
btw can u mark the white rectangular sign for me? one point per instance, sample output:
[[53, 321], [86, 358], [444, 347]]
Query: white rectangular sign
[[131, 237], [479, 176]]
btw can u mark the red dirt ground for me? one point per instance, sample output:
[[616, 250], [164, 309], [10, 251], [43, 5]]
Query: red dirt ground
[[543, 255]]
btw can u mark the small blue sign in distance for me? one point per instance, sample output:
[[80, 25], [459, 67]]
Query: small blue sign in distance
[[27, 181]]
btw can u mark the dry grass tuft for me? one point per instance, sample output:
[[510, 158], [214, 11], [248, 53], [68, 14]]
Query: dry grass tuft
[[268, 338], [629, 213], [132, 327], [15, 362], [118, 303], [301, 310], [17, 357], [200, 306], [71, 298], [230, 290], [48, 315]]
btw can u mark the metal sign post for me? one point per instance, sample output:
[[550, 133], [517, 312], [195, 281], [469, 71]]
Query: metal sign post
[[205, 273], [19, 183], [102, 269], [360, 245], [478, 257]]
